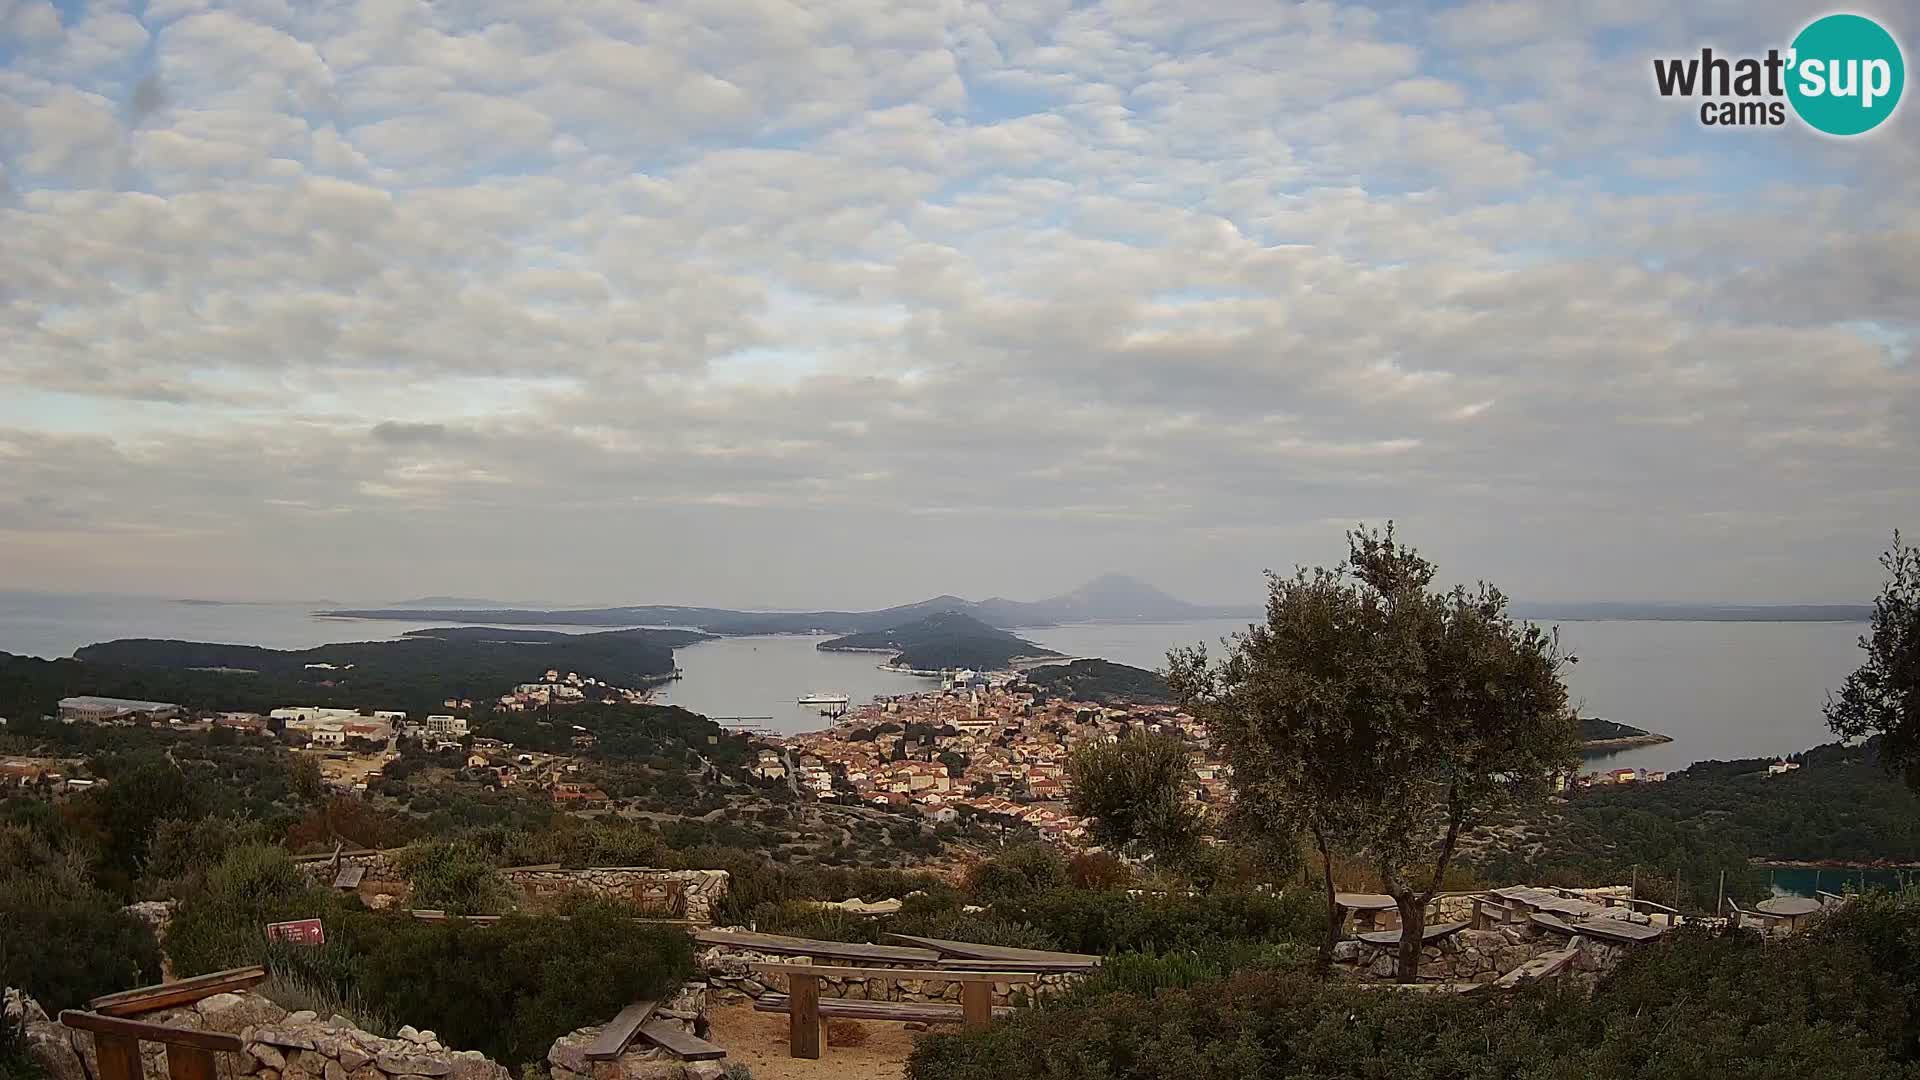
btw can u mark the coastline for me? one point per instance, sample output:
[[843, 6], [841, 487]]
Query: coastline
[[1622, 743]]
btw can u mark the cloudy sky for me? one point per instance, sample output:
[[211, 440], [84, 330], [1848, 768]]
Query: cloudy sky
[[848, 302]]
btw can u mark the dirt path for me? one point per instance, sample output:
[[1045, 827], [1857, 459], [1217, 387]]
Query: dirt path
[[759, 1041]]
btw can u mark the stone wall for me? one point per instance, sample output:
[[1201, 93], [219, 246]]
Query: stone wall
[[279, 1046], [567, 1059], [730, 979], [688, 894], [669, 894], [1479, 956]]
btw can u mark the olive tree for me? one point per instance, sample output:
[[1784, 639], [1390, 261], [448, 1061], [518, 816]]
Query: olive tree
[[1384, 717], [1136, 793], [1882, 697]]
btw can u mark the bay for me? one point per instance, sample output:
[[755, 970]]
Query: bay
[[1719, 689]]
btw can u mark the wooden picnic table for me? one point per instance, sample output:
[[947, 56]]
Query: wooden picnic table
[[1428, 935], [853, 951], [962, 954]]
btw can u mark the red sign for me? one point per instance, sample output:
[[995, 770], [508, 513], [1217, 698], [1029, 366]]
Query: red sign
[[300, 932]]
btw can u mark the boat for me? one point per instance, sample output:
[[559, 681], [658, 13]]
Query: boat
[[819, 698]]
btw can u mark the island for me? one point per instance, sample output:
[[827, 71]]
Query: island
[[1599, 735], [943, 641], [1100, 681]]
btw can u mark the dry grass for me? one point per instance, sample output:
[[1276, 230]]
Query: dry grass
[[846, 1033]]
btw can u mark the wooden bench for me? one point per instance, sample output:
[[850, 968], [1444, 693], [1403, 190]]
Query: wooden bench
[[636, 1020], [166, 995], [806, 1009]]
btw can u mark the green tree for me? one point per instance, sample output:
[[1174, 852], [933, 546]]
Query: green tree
[[1136, 792], [456, 876], [1384, 717], [1883, 696]]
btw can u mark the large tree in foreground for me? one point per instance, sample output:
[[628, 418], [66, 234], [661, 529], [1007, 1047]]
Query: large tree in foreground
[[1384, 717], [1883, 697]]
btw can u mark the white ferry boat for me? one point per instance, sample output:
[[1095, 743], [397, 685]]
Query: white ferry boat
[[822, 699]]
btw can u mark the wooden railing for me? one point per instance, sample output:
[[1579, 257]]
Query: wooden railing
[[116, 1044]]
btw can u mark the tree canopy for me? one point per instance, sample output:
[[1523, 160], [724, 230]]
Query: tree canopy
[[1135, 791], [1384, 716], [1882, 697]]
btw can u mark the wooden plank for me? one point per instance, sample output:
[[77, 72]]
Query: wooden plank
[[855, 952], [1428, 936], [803, 1017], [967, 950], [189, 1063], [613, 1038], [1538, 968], [839, 972], [116, 1056], [675, 1038], [136, 1030], [976, 1005], [180, 992], [926, 1012], [1353, 901], [1039, 967]]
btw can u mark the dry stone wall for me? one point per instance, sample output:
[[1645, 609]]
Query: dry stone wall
[[731, 979], [279, 1046], [1479, 956], [688, 894]]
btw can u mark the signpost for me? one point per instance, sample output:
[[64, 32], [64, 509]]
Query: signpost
[[299, 931]]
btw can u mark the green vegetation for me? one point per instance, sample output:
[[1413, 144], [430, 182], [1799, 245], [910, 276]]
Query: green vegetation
[[1714, 817], [946, 639], [1136, 792], [1377, 714], [415, 673], [1102, 681], [1883, 697], [1839, 1002], [65, 940], [1593, 729]]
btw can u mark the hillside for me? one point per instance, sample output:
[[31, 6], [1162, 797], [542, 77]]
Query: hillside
[[1110, 598], [1598, 734], [1102, 681], [413, 673], [949, 639]]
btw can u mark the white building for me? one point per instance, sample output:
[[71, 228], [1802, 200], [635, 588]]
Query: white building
[[449, 726]]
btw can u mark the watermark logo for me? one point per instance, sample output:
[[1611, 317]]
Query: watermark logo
[[1842, 75]]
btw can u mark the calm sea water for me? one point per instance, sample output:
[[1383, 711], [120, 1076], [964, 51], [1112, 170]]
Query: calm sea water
[[1719, 689]]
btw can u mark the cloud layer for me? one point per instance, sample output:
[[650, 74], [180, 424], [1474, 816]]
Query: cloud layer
[[847, 302]]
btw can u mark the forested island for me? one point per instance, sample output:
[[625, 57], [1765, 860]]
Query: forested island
[[1101, 681], [413, 673], [944, 640]]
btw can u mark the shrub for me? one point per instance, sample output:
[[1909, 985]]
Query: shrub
[[456, 877], [507, 990], [62, 940], [224, 925], [1116, 921], [1018, 873], [1097, 870]]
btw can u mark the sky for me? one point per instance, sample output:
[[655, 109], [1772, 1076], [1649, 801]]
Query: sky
[[850, 302]]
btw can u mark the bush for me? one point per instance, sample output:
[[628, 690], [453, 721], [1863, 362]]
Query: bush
[[1832, 1003], [507, 990], [1018, 873], [62, 940], [224, 925], [1117, 921], [456, 877]]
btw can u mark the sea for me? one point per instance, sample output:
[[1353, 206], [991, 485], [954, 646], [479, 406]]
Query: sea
[[1718, 689]]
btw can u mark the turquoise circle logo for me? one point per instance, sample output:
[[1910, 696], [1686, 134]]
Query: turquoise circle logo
[[1847, 74]]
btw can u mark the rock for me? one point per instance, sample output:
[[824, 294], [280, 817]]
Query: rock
[[367, 1072], [267, 1074], [282, 1037], [408, 1032], [304, 1016], [352, 1057], [20, 1008], [1346, 952], [52, 1046], [267, 1055], [915, 1025], [704, 1070], [334, 1071], [398, 1064], [424, 1037], [235, 1013], [569, 1051], [473, 1065]]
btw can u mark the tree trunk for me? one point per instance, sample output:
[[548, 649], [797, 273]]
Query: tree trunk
[[1332, 936], [1413, 926]]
